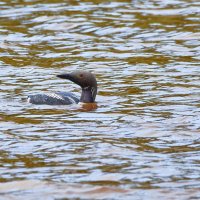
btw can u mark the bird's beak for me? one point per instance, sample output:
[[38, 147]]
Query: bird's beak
[[64, 76], [68, 77]]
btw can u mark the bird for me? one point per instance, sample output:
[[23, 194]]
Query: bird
[[85, 79]]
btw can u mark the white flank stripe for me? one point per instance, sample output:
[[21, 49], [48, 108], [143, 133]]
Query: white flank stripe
[[71, 99], [29, 99]]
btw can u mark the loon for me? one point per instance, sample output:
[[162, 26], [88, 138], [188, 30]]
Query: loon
[[85, 79]]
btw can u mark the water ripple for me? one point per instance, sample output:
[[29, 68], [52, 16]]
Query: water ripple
[[142, 140]]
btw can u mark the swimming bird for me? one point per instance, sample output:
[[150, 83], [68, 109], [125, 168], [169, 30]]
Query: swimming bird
[[85, 79]]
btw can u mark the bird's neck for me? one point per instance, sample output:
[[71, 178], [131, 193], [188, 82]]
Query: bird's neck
[[88, 94]]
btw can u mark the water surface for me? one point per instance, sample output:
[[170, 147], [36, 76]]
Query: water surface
[[143, 139]]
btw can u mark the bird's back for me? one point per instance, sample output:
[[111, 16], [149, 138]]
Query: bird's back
[[58, 98]]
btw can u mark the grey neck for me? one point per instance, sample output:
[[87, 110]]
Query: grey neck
[[88, 94]]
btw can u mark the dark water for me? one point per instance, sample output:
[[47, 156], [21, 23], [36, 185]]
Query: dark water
[[143, 141]]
